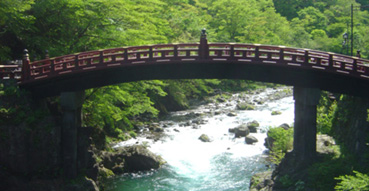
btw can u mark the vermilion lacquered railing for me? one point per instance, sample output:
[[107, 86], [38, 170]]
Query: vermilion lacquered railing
[[165, 53]]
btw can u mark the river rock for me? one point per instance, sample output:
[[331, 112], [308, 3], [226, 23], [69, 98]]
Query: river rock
[[241, 131], [221, 99], [231, 114], [250, 139], [139, 158], [195, 127], [262, 181], [154, 125], [245, 106], [131, 159], [285, 126], [253, 126], [158, 129], [276, 112], [232, 130], [204, 138], [82, 184]]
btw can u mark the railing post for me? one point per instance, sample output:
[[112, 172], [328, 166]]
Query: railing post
[[257, 52], [204, 47], [306, 57], [354, 67], [52, 66], [330, 63], [281, 54], [101, 59], [151, 54], [232, 52], [125, 55], [25, 66], [175, 53], [75, 61]]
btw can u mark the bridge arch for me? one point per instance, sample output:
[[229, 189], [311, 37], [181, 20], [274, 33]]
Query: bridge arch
[[274, 64]]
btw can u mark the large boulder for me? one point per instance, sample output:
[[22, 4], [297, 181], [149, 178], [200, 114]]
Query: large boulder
[[242, 131], [131, 159], [139, 158], [251, 139]]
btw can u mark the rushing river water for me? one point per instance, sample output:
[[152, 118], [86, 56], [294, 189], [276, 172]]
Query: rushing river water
[[226, 163]]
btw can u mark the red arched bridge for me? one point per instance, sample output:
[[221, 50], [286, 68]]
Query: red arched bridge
[[307, 70], [276, 64]]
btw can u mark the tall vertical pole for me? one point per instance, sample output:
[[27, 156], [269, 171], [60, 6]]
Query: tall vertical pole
[[352, 29]]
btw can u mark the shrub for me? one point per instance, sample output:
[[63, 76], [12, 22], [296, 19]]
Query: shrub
[[283, 139], [359, 181], [282, 142]]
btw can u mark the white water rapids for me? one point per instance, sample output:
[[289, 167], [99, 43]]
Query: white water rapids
[[225, 163]]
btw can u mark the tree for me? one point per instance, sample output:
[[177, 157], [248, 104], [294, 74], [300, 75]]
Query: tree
[[14, 19], [230, 18]]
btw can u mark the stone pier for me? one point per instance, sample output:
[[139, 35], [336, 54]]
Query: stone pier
[[304, 143], [71, 104]]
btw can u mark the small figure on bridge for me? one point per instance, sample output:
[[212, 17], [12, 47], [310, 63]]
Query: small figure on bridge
[[358, 54]]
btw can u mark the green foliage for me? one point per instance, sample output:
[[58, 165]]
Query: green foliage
[[15, 107], [286, 181], [322, 173], [359, 181], [283, 139], [111, 108], [325, 113], [282, 143], [105, 173]]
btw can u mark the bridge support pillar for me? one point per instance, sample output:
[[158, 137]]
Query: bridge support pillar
[[71, 104], [304, 143]]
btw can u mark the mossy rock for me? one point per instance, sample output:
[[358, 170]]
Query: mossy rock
[[242, 131], [276, 112], [204, 138], [105, 173], [253, 126], [245, 106]]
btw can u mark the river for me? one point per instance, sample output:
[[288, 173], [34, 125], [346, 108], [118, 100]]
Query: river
[[225, 163]]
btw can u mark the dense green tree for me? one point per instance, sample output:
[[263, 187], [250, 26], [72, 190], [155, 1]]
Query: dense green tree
[[230, 17], [14, 20], [112, 108]]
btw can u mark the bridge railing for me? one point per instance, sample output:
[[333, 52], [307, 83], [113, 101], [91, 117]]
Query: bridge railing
[[11, 71], [212, 52]]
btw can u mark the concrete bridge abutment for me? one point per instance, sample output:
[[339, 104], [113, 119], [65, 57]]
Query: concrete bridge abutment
[[305, 130]]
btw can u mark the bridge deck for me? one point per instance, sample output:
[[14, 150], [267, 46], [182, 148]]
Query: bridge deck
[[276, 64]]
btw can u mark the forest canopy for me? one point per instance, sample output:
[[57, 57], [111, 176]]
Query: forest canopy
[[70, 26]]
